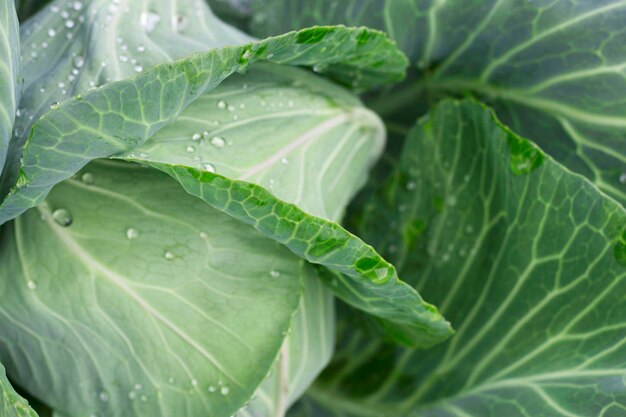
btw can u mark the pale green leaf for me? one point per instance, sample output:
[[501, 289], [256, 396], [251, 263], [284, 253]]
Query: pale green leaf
[[119, 266], [526, 259]]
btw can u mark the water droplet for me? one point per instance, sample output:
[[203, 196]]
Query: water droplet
[[411, 185], [62, 217], [138, 68], [469, 229], [224, 390], [104, 396], [290, 103], [143, 398], [55, 105], [141, 48], [222, 104], [209, 167], [138, 387], [149, 20], [168, 255], [451, 200], [132, 234], [231, 107], [212, 388], [196, 136], [77, 5], [31, 285], [191, 149], [218, 142], [132, 395], [284, 160], [170, 380], [51, 32], [69, 24], [274, 273], [194, 382], [203, 235], [88, 178], [622, 178]]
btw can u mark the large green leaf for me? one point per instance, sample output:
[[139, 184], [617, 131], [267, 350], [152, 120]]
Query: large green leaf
[[11, 404], [554, 70], [10, 73], [123, 114], [526, 259], [316, 165], [113, 303]]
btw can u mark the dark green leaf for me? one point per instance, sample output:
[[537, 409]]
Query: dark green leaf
[[527, 265]]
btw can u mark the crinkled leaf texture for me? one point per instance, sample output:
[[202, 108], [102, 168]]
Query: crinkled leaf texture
[[526, 259], [553, 70]]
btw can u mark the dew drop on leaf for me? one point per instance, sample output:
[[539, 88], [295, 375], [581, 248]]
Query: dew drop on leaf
[[31, 285], [209, 167], [55, 105], [218, 142], [87, 178], [168, 255], [149, 20], [104, 396], [191, 149], [62, 217], [131, 234], [222, 104], [224, 390], [274, 273]]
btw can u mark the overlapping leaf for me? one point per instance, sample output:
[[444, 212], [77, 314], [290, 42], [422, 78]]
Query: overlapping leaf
[[192, 309], [305, 352], [554, 70], [316, 166], [121, 115], [526, 259]]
